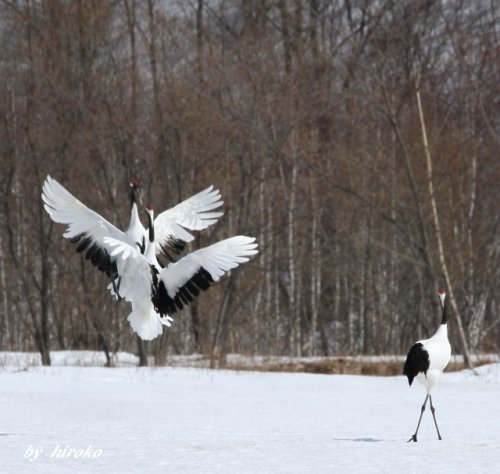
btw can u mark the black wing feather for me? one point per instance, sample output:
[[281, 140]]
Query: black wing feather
[[166, 305], [417, 361], [170, 250], [98, 256]]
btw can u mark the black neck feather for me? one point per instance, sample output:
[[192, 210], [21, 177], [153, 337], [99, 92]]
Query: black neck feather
[[444, 319], [151, 228], [132, 196]]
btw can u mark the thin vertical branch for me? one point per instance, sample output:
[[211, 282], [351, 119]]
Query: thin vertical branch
[[437, 229]]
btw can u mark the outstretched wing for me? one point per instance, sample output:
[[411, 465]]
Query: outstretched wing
[[85, 228], [181, 282], [195, 213]]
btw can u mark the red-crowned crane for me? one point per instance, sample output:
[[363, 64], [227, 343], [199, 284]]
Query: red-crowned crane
[[171, 236], [155, 292], [426, 361], [87, 229]]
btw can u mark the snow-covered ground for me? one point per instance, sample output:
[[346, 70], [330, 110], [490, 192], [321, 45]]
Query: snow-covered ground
[[191, 420]]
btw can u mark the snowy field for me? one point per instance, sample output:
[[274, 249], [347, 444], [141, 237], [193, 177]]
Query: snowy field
[[192, 420]]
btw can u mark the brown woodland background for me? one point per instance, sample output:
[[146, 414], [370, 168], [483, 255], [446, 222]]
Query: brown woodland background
[[305, 114]]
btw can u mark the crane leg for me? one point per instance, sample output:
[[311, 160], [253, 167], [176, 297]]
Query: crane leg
[[414, 437], [434, 416], [116, 288]]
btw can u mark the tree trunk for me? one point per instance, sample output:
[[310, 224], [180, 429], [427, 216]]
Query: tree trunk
[[142, 352]]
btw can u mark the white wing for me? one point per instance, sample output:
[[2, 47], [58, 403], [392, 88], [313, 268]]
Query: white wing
[[182, 281], [195, 213], [85, 227], [134, 271], [137, 285]]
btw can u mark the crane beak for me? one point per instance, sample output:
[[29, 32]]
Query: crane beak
[[442, 297]]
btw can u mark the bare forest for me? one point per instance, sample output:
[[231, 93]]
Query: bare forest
[[358, 140]]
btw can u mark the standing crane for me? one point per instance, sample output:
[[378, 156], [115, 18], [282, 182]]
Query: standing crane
[[426, 361]]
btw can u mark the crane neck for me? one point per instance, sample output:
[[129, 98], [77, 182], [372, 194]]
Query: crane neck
[[132, 196], [444, 318], [134, 217], [150, 252], [151, 228]]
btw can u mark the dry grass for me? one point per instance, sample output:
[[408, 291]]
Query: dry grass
[[340, 366]]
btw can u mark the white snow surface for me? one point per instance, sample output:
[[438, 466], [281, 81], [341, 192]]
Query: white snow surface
[[192, 420]]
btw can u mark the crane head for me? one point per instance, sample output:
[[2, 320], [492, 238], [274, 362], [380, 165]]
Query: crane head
[[442, 296], [134, 191]]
